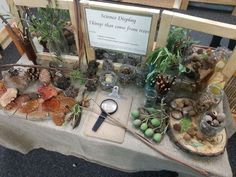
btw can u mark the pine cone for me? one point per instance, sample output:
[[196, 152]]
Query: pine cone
[[32, 74], [71, 92], [45, 76]]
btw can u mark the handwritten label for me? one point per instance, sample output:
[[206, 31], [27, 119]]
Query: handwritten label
[[118, 31]]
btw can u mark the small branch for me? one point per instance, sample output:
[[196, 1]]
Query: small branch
[[44, 67], [149, 143], [36, 66]]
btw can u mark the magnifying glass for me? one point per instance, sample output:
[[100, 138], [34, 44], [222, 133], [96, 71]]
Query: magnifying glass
[[108, 106]]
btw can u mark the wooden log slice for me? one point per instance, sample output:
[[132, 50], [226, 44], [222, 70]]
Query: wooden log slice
[[208, 147]]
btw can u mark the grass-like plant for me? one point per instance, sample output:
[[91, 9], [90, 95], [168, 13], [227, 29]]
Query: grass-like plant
[[163, 58]]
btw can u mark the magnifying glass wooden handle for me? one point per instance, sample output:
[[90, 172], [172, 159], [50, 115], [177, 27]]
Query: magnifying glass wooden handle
[[99, 121]]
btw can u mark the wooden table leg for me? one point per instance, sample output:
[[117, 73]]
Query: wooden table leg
[[184, 4], [234, 11]]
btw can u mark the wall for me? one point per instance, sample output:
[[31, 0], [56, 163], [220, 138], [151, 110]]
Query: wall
[[3, 10]]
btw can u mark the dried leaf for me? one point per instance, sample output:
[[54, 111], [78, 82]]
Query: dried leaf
[[30, 106], [47, 92], [66, 103], [8, 96], [18, 102], [51, 105], [58, 118]]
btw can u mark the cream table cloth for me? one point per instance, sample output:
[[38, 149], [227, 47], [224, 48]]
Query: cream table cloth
[[132, 155]]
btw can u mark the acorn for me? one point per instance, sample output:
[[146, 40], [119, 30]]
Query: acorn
[[187, 137], [221, 117], [173, 104], [177, 115], [187, 109], [200, 136], [192, 113], [208, 118], [191, 132], [215, 123], [177, 127]]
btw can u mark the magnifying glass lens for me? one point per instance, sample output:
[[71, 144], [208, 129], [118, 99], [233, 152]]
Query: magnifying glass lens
[[109, 106]]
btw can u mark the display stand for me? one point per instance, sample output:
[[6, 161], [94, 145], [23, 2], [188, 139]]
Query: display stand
[[118, 9], [5, 39]]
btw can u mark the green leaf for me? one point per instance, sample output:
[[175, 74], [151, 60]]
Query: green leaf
[[185, 124], [182, 68], [197, 144], [77, 75]]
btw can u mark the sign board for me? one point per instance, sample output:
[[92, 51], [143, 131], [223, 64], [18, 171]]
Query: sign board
[[118, 31], [119, 27]]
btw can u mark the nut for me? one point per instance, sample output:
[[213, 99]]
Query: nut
[[200, 136], [215, 123], [192, 113], [187, 137], [191, 132], [177, 115], [177, 127]]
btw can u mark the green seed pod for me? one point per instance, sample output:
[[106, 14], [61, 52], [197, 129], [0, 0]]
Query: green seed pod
[[135, 114], [155, 122], [144, 126], [137, 122], [157, 137], [149, 132]]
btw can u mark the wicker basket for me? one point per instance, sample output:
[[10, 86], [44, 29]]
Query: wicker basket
[[230, 90]]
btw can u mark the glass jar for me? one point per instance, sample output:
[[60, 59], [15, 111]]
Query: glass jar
[[141, 74], [126, 74], [107, 80], [151, 96], [210, 98], [207, 126]]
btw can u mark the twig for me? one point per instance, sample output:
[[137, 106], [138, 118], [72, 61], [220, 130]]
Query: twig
[[44, 67], [149, 143], [36, 66]]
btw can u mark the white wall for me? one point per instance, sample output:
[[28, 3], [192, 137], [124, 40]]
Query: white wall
[[3, 10]]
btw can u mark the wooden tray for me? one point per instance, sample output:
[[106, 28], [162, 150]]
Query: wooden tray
[[108, 131]]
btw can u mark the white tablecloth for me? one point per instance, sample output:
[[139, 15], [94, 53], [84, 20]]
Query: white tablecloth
[[132, 155]]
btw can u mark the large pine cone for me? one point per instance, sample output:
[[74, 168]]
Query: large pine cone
[[33, 74]]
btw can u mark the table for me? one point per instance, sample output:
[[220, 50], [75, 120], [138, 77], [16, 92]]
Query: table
[[132, 155]]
